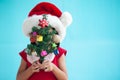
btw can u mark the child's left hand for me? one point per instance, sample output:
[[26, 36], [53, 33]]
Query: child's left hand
[[47, 66]]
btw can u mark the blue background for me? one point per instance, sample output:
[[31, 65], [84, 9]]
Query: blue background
[[92, 41]]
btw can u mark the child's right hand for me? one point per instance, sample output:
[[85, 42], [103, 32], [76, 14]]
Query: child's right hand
[[35, 67]]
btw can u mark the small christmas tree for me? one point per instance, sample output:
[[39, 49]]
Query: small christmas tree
[[41, 39]]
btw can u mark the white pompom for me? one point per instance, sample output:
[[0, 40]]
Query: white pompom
[[66, 19]]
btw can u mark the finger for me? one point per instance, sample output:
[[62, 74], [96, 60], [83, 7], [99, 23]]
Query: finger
[[46, 69], [43, 67], [34, 64], [45, 61], [38, 63], [36, 70]]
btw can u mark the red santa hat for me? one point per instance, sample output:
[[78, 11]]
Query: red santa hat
[[55, 17]]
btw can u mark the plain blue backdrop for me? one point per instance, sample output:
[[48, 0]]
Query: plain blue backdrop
[[92, 41]]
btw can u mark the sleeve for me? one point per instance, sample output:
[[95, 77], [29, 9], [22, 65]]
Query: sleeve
[[61, 52], [23, 55]]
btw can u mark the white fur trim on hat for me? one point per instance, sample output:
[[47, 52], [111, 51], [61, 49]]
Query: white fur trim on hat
[[54, 21], [66, 19]]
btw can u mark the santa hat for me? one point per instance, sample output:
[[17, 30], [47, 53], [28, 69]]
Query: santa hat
[[55, 17]]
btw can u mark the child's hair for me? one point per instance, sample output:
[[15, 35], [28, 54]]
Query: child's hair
[[58, 44]]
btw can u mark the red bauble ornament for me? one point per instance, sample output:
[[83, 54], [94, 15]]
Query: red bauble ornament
[[33, 39]]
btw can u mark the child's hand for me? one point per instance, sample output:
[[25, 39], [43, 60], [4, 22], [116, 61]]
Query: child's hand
[[36, 66], [47, 66]]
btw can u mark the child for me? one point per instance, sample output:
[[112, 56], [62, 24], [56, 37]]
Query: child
[[44, 59]]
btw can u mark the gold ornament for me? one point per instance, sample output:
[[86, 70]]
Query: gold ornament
[[39, 38]]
